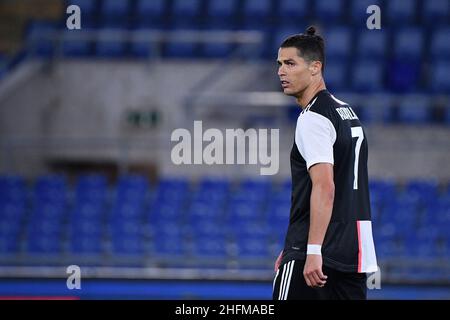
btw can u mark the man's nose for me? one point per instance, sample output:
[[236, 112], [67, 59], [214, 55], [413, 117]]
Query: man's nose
[[281, 71]]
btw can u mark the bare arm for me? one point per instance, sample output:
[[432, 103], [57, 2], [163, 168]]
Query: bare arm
[[322, 198]]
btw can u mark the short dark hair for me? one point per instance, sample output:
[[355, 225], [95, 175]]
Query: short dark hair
[[310, 46]]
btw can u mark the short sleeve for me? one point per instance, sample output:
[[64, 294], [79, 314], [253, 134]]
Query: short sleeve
[[315, 136]]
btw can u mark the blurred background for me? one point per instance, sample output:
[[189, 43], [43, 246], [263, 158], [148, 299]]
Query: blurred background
[[86, 116]]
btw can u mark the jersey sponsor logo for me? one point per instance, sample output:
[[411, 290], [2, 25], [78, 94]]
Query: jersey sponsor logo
[[347, 113]]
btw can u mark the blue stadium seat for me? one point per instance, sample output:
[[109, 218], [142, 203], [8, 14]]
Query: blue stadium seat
[[150, 9], [252, 247], [375, 210], [115, 15], [165, 211], [372, 44], [168, 229], [37, 34], [329, 10], [49, 209], [281, 193], [10, 227], [132, 188], [377, 110], [127, 211], [210, 248], [128, 245], [428, 190], [292, 9], [382, 191], [180, 184], [186, 8], [403, 74], [181, 49], [278, 211], [44, 226], [242, 211], [409, 43], [258, 50], [440, 43], [212, 188], [440, 210], [12, 212], [150, 14], [368, 76], [447, 246], [253, 190], [86, 226], [339, 42], [86, 244], [203, 211], [404, 214], [255, 228], [88, 210], [51, 181], [336, 74], [78, 47], [436, 11], [50, 188], [440, 76], [415, 110], [115, 9], [389, 249], [384, 230], [216, 49], [286, 184], [9, 244], [421, 244], [170, 245], [92, 180], [11, 181], [110, 47], [44, 244], [12, 189], [260, 185], [208, 228], [401, 11], [257, 9], [91, 188], [222, 10], [141, 48]]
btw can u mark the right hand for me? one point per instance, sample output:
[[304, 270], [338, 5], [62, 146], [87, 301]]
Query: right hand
[[312, 271], [278, 262]]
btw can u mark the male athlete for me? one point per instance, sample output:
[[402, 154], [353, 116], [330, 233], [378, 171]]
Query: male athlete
[[329, 246]]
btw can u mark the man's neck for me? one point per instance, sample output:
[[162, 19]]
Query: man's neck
[[309, 93]]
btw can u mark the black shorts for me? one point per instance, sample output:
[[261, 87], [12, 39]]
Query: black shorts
[[289, 284]]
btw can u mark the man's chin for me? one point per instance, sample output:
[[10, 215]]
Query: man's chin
[[288, 92]]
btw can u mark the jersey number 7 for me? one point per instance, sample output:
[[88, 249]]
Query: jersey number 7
[[357, 132]]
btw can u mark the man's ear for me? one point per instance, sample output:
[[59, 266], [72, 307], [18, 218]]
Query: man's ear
[[315, 67]]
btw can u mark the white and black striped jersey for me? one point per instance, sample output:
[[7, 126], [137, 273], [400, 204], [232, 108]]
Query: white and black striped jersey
[[329, 131]]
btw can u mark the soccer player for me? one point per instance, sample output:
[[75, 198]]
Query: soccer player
[[329, 246]]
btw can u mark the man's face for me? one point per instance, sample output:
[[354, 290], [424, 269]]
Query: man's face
[[293, 71]]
